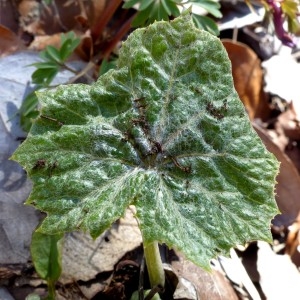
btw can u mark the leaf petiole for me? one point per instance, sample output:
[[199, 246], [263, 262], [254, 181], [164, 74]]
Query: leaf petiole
[[154, 264]]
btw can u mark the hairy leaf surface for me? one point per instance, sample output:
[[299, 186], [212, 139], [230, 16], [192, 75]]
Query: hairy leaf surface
[[165, 132]]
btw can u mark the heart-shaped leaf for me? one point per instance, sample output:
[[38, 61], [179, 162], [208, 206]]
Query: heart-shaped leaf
[[165, 132]]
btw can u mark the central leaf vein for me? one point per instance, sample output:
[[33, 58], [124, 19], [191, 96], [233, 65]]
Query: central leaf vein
[[164, 115]]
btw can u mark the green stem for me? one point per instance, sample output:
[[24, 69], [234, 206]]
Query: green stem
[[51, 290], [154, 265]]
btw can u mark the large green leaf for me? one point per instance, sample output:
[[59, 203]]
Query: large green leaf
[[165, 132]]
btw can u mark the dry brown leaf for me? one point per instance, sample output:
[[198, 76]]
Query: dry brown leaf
[[83, 22], [8, 15], [85, 48], [248, 78], [39, 18], [65, 17], [292, 240], [288, 182], [27, 7], [29, 19], [212, 286], [292, 245], [290, 123], [41, 42], [9, 42], [279, 277], [288, 134], [98, 255]]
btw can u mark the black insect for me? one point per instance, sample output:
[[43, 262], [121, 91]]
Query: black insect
[[139, 99], [139, 121], [215, 112], [141, 107], [224, 106], [51, 167], [172, 97], [187, 184], [127, 136], [142, 122], [178, 165], [197, 90], [42, 164], [39, 164], [156, 148]]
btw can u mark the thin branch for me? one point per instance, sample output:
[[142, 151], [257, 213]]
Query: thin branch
[[118, 37], [107, 15]]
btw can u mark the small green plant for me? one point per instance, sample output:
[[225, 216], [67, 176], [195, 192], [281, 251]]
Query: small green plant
[[46, 252], [166, 132], [53, 60], [152, 10], [148, 11]]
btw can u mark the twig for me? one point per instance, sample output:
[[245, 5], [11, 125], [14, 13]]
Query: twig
[[107, 14], [156, 289], [57, 17], [119, 35], [82, 8], [141, 279], [84, 71]]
